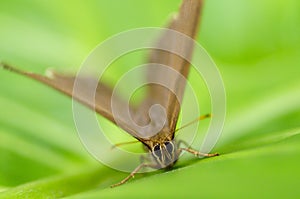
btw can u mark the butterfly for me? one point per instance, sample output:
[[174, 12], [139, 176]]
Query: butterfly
[[163, 148]]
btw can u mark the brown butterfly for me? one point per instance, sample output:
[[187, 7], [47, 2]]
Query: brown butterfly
[[163, 148]]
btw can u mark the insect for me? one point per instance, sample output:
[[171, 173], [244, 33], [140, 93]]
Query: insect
[[163, 148]]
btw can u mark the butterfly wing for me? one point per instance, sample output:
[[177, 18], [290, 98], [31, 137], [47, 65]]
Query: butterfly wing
[[65, 84], [185, 22]]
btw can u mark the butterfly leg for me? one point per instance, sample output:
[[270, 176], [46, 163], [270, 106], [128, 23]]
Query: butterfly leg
[[133, 173], [124, 143], [195, 152], [198, 153]]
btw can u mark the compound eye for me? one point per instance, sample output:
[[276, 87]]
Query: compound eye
[[169, 147], [157, 151]]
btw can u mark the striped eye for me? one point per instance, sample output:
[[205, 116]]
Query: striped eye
[[157, 151], [169, 147]]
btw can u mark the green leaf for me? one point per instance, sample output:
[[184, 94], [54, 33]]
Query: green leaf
[[256, 47], [62, 185], [259, 167]]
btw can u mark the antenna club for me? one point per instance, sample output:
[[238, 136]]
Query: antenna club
[[205, 116]]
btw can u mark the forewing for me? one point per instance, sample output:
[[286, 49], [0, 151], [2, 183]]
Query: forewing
[[185, 22], [65, 84]]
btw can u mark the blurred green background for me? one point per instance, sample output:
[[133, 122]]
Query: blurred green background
[[256, 45]]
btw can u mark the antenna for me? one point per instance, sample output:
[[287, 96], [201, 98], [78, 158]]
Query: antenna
[[202, 117]]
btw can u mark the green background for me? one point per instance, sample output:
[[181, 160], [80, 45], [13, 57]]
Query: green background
[[256, 45]]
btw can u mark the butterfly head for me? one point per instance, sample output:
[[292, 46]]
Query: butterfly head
[[165, 154]]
